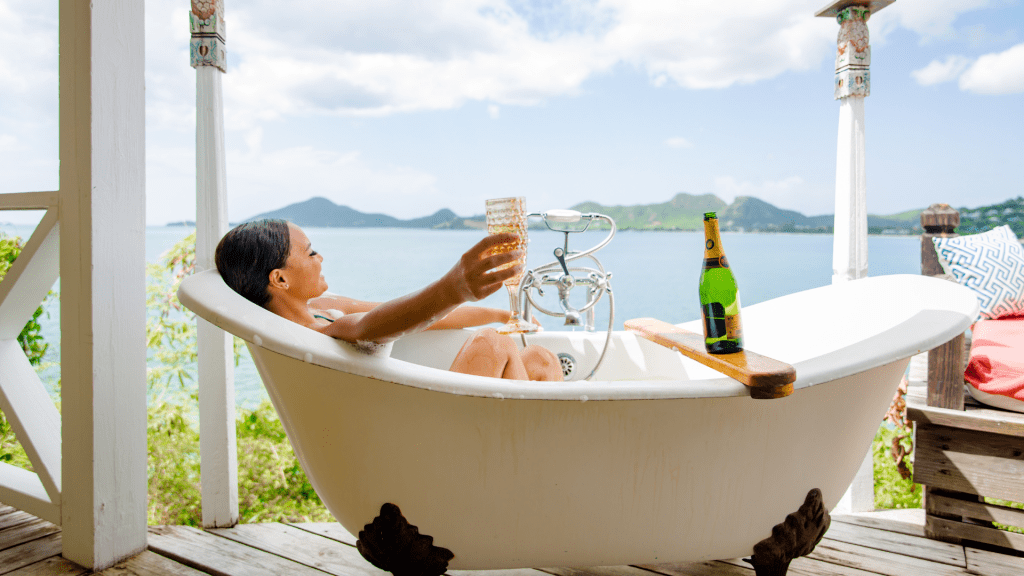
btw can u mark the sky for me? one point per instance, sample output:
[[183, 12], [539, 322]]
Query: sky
[[406, 107]]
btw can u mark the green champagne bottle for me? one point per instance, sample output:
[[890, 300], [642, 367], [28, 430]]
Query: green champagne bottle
[[719, 296]]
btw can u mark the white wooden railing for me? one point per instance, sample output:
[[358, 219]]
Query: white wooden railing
[[23, 398], [90, 459]]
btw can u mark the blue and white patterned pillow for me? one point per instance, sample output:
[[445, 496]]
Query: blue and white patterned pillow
[[991, 264]]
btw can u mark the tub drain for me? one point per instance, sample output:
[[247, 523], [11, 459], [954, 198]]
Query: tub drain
[[568, 364]]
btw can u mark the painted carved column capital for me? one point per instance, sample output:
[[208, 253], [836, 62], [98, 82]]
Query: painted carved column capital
[[206, 21], [853, 53]]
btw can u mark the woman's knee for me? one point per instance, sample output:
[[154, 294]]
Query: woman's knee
[[489, 339], [487, 353], [542, 364]]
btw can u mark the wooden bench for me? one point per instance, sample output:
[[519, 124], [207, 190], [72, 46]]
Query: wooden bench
[[964, 451]]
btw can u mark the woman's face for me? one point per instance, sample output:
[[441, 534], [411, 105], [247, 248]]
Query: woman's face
[[302, 269]]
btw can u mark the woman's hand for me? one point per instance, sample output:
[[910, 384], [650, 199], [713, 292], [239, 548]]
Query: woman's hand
[[474, 278]]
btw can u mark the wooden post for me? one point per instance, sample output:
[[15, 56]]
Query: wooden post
[[850, 236], [945, 362], [945, 367], [102, 206], [217, 443]]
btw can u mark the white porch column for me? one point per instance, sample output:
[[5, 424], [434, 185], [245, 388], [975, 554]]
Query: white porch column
[[850, 240], [217, 446], [102, 203]]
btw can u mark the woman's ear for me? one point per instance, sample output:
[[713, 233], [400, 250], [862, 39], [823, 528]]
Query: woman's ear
[[277, 280]]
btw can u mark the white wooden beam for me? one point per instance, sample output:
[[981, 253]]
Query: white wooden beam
[[23, 490], [102, 267], [28, 200], [32, 415], [31, 277], [850, 236], [852, 84], [215, 349]]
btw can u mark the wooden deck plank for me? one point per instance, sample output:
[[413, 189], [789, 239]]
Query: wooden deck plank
[[28, 531], [55, 566], [301, 546], [219, 556], [15, 518], [508, 572], [993, 563], [810, 567], [850, 548], [910, 528], [912, 546], [598, 571], [150, 564], [331, 530], [714, 568], [29, 553], [879, 561]]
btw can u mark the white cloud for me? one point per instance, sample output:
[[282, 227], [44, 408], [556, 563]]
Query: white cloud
[[494, 111], [387, 56], [937, 72], [998, 73], [678, 142], [932, 20], [260, 180], [8, 143]]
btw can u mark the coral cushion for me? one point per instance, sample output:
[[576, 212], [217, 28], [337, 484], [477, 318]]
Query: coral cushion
[[995, 370]]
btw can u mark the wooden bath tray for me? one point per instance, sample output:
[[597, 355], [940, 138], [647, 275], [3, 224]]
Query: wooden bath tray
[[766, 377]]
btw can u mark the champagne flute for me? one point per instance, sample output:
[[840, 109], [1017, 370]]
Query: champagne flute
[[509, 215]]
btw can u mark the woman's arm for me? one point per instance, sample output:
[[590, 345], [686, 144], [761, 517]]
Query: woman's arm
[[470, 316], [461, 317], [471, 279]]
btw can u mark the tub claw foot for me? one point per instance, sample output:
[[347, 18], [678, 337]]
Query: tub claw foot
[[392, 544], [795, 537]]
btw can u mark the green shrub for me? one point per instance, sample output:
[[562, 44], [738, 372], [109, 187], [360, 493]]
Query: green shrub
[[892, 489]]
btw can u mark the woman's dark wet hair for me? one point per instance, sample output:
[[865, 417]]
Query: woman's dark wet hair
[[249, 252]]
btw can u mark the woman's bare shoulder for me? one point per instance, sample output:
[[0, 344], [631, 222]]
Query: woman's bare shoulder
[[347, 305]]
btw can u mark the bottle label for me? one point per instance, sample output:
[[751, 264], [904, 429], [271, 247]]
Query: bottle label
[[716, 262], [733, 328], [718, 324]]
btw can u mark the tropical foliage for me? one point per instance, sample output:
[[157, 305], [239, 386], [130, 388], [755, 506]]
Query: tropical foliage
[[271, 485]]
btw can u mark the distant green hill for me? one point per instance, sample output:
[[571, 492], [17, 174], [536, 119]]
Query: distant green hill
[[321, 212], [682, 212], [983, 218]]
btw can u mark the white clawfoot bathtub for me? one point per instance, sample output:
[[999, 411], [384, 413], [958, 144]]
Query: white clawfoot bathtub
[[657, 459]]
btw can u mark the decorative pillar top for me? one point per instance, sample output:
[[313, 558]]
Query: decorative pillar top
[[853, 53], [940, 219], [206, 21]]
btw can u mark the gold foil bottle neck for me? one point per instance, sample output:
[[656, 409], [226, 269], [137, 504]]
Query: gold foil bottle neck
[[712, 240]]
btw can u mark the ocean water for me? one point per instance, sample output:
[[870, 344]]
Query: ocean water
[[653, 273]]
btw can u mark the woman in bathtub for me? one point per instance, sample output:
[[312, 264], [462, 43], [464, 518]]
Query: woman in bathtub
[[272, 264]]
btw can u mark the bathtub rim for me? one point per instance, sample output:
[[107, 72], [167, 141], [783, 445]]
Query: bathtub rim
[[206, 294]]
